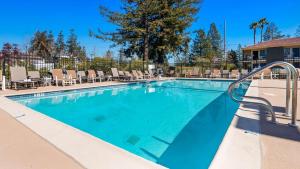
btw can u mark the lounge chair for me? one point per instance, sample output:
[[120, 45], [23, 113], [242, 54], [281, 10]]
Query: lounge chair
[[244, 72], [101, 75], [124, 76], [136, 75], [225, 73], [19, 78], [81, 76], [282, 73], [147, 73], [207, 73], [216, 73], [73, 76], [129, 75], [59, 77], [92, 76], [195, 72], [151, 74], [267, 73], [142, 75], [115, 74], [35, 76], [234, 74]]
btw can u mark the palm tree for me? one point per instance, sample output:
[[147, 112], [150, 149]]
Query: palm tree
[[261, 24], [254, 26]]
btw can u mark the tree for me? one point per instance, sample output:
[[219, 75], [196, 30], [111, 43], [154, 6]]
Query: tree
[[60, 44], [39, 44], [254, 26], [50, 42], [215, 39], [200, 45], [72, 44], [233, 57], [150, 29], [272, 32], [297, 34], [108, 54], [239, 52], [261, 24], [7, 52]]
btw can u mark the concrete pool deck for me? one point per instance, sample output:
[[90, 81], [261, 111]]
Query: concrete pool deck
[[258, 148]]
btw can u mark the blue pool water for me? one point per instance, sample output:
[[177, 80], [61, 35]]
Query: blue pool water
[[178, 124]]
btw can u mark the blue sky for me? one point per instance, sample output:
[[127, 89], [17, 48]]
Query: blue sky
[[20, 19]]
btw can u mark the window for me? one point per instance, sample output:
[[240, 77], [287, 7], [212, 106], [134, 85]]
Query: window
[[296, 52], [287, 52], [262, 54]]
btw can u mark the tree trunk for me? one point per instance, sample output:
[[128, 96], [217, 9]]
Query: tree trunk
[[254, 36]]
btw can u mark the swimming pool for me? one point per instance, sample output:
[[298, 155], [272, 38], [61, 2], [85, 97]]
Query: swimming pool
[[178, 123]]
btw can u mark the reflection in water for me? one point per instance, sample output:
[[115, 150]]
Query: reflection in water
[[57, 99]]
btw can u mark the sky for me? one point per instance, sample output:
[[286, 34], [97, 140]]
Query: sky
[[20, 19]]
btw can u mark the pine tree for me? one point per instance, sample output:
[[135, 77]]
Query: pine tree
[[201, 45], [38, 44], [272, 32], [72, 44], [50, 42], [215, 39], [150, 29], [60, 44]]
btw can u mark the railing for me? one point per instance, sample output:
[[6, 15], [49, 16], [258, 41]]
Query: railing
[[291, 105]]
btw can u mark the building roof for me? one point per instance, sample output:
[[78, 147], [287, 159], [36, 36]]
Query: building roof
[[288, 42]]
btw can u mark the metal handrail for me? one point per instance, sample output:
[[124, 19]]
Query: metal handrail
[[291, 106]]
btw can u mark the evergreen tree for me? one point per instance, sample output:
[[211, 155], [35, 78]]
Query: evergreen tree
[[72, 44], [233, 57], [272, 32], [39, 44], [60, 44], [151, 29], [50, 42], [215, 39], [239, 52], [297, 34], [108, 54], [201, 45]]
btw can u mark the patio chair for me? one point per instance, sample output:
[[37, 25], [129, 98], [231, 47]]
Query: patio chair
[[115, 74], [207, 73], [35, 76], [151, 73], [267, 73], [124, 76], [244, 72], [136, 75], [143, 75], [18, 78], [234, 74], [92, 76], [72, 76], [129, 75], [81, 76], [216, 73], [148, 74], [225, 73], [101, 75], [59, 77], [195, 72], [282, 73]]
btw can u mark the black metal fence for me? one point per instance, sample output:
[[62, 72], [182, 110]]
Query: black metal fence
[[45, 65]]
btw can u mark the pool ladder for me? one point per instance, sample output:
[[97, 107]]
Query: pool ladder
[[291, 104]]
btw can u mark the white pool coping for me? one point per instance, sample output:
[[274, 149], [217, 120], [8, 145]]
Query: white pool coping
[[92, 152]]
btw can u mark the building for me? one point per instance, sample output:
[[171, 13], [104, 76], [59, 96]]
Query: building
[[275, 50]]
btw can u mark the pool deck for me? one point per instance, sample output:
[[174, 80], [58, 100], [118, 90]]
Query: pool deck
[[250, 142]]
